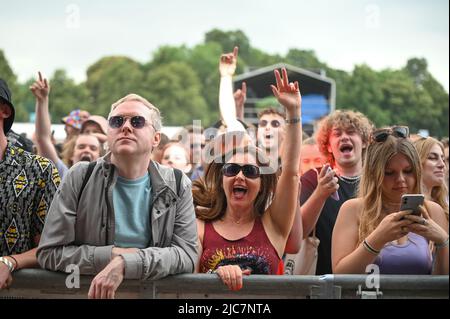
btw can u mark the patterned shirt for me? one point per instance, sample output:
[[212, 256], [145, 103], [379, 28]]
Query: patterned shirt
[[27, 185]]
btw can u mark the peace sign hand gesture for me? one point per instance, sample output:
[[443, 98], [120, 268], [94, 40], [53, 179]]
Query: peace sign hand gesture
[[287, 94]]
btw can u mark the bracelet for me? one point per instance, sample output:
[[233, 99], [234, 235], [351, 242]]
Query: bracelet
[[7, 263], [370, 248], [443, 245], [294, 120], [17, 263]]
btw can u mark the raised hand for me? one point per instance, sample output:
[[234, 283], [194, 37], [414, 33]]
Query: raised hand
[[240, 96], [327, 182], [287, 93], [228, 62], [40, 88]]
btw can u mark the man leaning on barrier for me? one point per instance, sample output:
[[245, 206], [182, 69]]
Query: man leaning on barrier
[[133, 219]]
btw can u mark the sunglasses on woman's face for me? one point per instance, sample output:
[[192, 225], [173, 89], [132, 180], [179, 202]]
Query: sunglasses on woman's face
[[118, 121], [273, 123], [397, 131], [249, 171]]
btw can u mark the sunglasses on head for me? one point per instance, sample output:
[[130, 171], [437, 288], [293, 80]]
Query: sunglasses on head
[[273, 123], [232, 169], [117, 121], [397, 131]]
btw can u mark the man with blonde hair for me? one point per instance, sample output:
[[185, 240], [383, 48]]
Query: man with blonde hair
[[125, 216]]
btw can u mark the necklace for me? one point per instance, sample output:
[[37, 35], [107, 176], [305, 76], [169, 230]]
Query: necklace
[[238, 221], [351, 180]]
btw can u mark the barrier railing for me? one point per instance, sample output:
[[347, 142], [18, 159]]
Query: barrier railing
[[36, 283]]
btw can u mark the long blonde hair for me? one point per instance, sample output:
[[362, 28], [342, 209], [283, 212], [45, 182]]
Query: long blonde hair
[[438, 193], [370, 188]]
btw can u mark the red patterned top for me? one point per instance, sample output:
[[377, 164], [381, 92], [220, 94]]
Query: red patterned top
[[254, 251]]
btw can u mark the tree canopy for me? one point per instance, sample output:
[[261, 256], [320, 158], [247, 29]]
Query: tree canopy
[[183, 82]]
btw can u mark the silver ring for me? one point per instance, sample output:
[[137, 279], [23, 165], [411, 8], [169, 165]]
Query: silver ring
[[424, 222]]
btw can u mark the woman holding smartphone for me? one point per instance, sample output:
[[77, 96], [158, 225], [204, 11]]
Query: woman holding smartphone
[[371, 229]]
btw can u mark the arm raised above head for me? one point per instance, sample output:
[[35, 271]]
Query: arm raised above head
[[41, 91], [285, 204]]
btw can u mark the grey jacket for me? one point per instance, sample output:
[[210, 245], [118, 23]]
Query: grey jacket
[[82, 233]]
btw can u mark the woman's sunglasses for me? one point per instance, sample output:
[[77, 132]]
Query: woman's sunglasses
[[397, 131], [249, 171], [273, 123], [118, 120]]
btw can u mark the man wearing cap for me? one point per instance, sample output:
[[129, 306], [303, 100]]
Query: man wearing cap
[[27, 185], [133, 219], [81, 147]]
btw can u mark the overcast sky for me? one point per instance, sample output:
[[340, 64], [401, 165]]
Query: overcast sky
[[46, 35]]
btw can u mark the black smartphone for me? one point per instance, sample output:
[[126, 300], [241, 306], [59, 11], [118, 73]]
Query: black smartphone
[[412, 202]]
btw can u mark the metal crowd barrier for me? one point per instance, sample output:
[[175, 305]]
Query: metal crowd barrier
[[41, 284]]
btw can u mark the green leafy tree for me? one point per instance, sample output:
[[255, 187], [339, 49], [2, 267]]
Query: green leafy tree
[[259, 58], [26, 104], [417, 70], [65, 96], [304, 58], [229, 39], [176, 90], [166, 54], [7, 74], [110, 79], [431, 93], [364, 94], [184, 83], [204, 61], [342, 80]]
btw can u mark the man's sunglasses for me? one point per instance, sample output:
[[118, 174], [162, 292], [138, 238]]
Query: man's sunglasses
[[397, 131], [273, 123], [249, 171], [118, 120]]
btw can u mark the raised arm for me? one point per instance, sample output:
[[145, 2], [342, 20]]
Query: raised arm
[[285, 203], [227, 67], [41, 90], [240, 96]]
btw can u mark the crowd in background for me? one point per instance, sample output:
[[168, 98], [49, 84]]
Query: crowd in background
[[120, 199]]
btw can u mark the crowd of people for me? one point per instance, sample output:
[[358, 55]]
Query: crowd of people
[[121, 200]]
